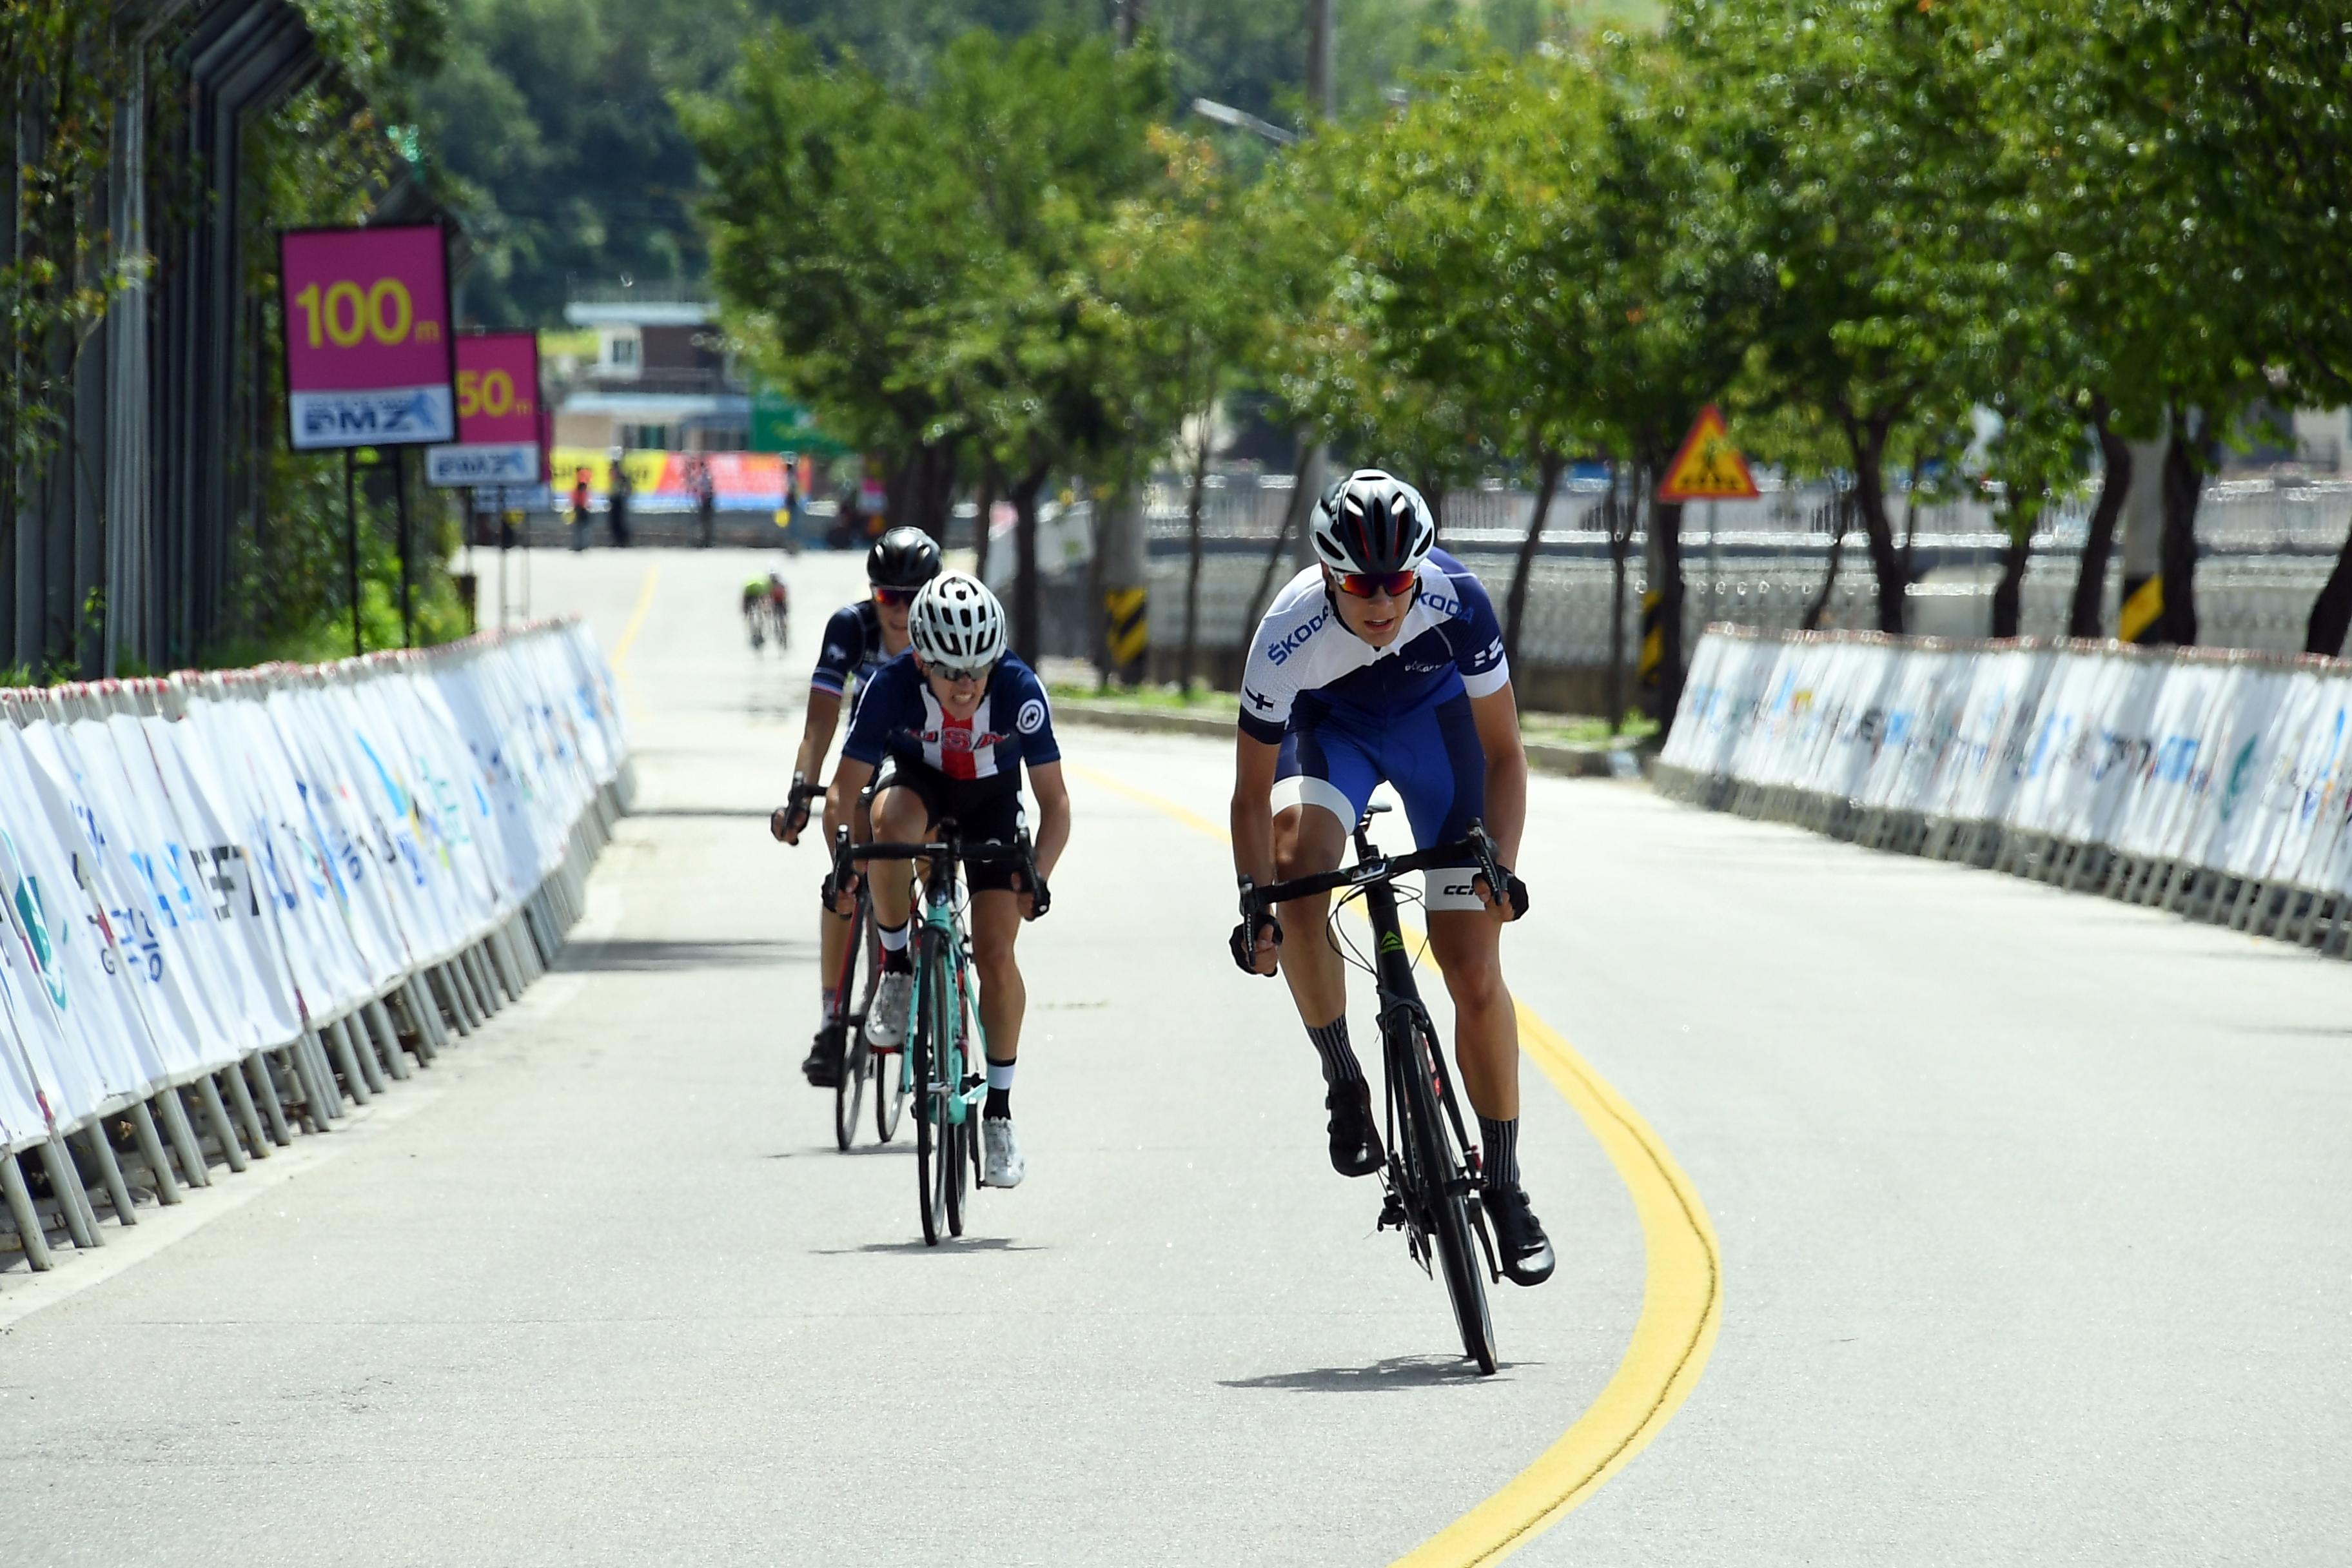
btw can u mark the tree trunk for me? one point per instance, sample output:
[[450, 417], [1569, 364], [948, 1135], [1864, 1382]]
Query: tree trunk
[[1867, 440], [1662, 603], [1434, 493], [2008, 594], [943, 461], [1548, 467], [1617, 516], [2084, 616], [1028, 628], [2188, 457], [1841, 521], [1189, 659], [992, 480], [1294, 519], [2331, 612], [905, 479]]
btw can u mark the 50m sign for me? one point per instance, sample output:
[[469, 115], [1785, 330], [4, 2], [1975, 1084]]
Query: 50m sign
[[368, 357]]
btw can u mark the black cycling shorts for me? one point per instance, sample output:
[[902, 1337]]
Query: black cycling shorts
[[983, 809]]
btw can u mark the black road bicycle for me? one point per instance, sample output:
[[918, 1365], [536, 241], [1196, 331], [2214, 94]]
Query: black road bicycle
[[1433, 1175], [854, 984]]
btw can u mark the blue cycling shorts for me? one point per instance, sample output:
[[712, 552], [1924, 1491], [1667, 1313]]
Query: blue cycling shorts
[[1431, 757]]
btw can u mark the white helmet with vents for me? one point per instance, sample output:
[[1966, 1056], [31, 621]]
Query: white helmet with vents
[[957, 622]]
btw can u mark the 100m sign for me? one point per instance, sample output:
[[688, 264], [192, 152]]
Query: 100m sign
[[346, 315]]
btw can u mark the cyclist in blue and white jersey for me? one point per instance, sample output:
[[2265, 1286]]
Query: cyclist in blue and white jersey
[[858, 640], [960, 717], [1384, 662]]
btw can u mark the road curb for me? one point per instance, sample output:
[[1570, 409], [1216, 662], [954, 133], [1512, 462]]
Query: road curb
[[1543, 756]]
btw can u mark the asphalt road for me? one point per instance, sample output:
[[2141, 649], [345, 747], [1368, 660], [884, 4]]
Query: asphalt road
[[2032, 1213]]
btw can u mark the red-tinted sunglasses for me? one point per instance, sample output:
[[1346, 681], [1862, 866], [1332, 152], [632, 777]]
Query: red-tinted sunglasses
[[1372, 584], [896, 595]]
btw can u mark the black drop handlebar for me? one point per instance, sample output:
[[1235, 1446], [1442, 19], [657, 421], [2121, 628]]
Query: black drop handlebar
[[940, 857], [1475, 847]]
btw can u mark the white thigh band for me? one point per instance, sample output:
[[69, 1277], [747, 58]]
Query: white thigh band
[[1303, 789]]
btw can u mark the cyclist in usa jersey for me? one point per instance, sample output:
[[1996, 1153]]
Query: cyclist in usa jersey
[[961, 718], [858, 640], [1384, 663]]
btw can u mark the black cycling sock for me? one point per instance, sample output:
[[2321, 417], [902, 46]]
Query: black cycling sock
[[999, 1105], [1340, 1064], [1502, 1139], [895, 957]]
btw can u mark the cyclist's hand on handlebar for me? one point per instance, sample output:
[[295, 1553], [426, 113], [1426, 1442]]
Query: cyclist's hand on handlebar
[[1254, 940], [840, 892], [1513, 903], [793, 816], [1034, 896]]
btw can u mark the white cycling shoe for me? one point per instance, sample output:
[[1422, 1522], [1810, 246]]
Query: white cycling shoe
[[1001, 1164], [885, 1020]]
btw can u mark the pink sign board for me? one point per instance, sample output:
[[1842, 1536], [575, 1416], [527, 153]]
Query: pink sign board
[[498, 413], [368, 360]]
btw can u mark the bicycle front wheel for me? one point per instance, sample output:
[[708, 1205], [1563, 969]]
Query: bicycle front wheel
[[960, 1142], [1441, 1181]]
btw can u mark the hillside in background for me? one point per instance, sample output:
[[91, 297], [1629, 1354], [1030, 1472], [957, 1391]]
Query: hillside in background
[[551, 124]]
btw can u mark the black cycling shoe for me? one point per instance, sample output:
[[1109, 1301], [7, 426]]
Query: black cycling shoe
[[1355, 1140], [1525, 1251], [821, 1066]]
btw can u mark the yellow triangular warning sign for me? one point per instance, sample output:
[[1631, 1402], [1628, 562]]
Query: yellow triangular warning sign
[[1708, 467]]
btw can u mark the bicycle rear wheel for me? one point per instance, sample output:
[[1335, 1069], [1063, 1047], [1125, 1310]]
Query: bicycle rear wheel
[[1441, 1179], [849, 1090]]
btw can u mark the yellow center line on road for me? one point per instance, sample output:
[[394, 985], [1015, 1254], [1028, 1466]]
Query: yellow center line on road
[[629, 633], [1681, 1301], [636, 618]]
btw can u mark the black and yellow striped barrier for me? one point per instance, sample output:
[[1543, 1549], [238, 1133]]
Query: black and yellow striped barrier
[[1129, 629]]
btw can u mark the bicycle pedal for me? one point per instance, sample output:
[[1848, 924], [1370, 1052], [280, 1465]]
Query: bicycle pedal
[[1392, 1215]]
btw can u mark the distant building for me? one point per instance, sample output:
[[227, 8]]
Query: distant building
[[660, 381]]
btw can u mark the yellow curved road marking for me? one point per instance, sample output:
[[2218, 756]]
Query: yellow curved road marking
[[1682, 1302], [636, 618]]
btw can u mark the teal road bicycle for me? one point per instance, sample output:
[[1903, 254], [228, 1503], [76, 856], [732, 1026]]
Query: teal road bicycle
[[944, 1051]]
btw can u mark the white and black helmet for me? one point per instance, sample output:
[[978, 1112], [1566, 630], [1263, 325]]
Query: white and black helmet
[[1373, 521], [957, 622]]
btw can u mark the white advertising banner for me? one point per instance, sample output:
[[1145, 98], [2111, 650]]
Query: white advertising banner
[[195, 870], [2236, 764]]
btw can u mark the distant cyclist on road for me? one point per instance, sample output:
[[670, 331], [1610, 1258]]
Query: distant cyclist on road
[[858, 640], [1385, 662], [960, 716]]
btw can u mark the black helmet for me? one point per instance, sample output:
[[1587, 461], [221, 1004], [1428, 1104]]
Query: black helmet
[[1373, 521], [902, 558]]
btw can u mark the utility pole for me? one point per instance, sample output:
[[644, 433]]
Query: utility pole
[[1131, 22], [1323, 94], [1322, 57], [1122, 564]]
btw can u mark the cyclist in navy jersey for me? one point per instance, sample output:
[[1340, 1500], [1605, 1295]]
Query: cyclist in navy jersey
[[1384, 663], [858, 640], [962, 717]]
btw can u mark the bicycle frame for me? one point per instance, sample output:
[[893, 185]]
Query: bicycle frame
[[1393, 982], [941, 935]]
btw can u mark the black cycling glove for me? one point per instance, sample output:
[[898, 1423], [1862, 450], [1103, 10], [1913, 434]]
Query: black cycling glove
[[1514, 893], [1244, 940]]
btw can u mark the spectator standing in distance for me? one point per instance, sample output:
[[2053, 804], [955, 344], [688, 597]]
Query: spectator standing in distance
[[616, 502], [849, 523], [580, 508], [706, 500]]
